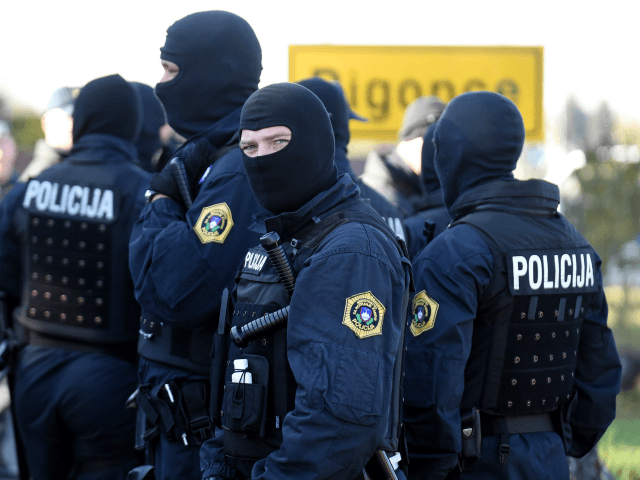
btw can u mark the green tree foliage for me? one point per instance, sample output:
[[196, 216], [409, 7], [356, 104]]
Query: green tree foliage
[[606, 210], [26, 130]]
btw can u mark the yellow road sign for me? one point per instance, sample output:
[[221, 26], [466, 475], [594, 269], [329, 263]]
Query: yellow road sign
[[381, 81]]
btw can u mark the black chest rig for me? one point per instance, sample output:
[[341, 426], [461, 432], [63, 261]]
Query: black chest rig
[[252, 414], [72, 243], [527, 330]]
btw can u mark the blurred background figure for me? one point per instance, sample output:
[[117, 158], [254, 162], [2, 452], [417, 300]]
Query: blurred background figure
[[394, 171], [431, 206], [334, 100], [65, 284], [57, 123], [154, 118], [8, 154]]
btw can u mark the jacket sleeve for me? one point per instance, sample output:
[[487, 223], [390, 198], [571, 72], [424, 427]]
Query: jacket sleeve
[[177, 277], [10, 253], [452, 271], [597, 378], [213, 464], [344, 382]]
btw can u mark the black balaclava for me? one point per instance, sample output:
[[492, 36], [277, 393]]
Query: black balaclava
[[149, 142], [220, 61], [286, 180], [108, 105], [478, 138], [430, 180], [334, 100]]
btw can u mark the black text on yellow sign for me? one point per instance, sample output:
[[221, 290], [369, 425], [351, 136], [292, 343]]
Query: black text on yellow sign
[[381, 81]]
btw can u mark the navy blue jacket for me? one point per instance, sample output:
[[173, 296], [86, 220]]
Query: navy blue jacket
[[342, 403], [454, 270], [433, 209], [178, 278]]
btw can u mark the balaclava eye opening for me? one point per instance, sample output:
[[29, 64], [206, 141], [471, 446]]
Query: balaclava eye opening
[[108, 105], [220, 62], [286, 180]]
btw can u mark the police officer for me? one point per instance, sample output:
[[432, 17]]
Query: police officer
[[432, 207], [149, 144], [334, 100], [182, 258], [510, 362], [394, 171], [325, 390], [63, 264]]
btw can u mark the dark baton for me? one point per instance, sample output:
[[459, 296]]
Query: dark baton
[[272, 321], [180, 176]]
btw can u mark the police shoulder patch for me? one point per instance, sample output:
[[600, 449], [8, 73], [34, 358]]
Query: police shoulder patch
[[214, 223], [424, 310], [364, 314]]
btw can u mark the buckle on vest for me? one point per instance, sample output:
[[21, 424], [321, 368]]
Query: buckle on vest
[[201, 428]]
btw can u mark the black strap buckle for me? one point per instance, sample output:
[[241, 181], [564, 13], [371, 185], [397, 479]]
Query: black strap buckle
[[503, 453], [201, 428]]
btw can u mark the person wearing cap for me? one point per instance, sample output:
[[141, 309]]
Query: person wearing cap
[[183, 255], [394, 171], [432, 207], [64, 275], [149, 144], [510, 365], [334, 100], [330, 378], [57, 125]]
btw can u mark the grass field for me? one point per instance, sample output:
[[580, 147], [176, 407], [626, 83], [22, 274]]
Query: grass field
[[619, 448]]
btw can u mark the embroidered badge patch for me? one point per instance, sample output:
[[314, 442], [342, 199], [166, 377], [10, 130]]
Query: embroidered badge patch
[[214, 223], [364, 314], [424, 309]]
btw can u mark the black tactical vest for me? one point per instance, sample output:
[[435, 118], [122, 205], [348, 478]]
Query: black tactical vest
[[527, 330], [76, 287], [252, 414]]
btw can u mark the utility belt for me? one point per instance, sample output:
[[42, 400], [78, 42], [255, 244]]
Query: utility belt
[[177, 410], [123, 351], [476, 424], [178, 347]]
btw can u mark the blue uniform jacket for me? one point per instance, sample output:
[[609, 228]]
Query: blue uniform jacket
[[344, 382], [454, 269], [435, 211], [179, 268]]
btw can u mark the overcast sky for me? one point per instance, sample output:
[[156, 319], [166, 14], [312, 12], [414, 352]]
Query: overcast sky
[[590, 48]]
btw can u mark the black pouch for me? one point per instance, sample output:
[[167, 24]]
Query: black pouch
[[471, 434], [565, 412], [245, 404]]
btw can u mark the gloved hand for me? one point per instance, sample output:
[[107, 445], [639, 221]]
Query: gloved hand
[[196, 160]]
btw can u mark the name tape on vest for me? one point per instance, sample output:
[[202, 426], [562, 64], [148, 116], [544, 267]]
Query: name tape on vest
[[71, 200], [550, 271], [254, 260]]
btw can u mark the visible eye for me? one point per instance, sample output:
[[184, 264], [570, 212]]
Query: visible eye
[[282, 141], [249, 149]]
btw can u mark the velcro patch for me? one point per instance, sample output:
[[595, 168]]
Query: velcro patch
[[364, 314], [424, 310], [552, 271], [214, 223], [254, 260]]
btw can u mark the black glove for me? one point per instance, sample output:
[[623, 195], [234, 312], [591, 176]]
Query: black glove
[[200, 157]]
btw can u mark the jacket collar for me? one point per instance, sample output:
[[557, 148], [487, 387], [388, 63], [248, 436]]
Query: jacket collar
[[344, 190], [531, 194]]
